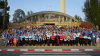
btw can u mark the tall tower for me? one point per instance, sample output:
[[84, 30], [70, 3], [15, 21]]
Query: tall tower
[[63, 6]]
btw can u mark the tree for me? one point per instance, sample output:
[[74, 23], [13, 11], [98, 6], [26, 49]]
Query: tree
[[18, 15], [29, 13], [87, 11], [95, 11], [78, 18], [2, 4]]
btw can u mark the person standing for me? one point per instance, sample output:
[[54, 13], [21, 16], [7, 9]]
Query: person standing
[[77, 38], [44, 39], [81, 40], [72, 39], [65, 40], [85, 39], [57, 40], [15, 39], [33, 39], [5, 40], [89, 40], [93, 38], [36, 39], [48, 38], [26, 39], [40, 39], [97, 39], [30, 39], [68, 39], [61, 39], [53, 39]]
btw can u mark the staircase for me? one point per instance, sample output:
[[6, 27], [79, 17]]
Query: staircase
[[1, 42]]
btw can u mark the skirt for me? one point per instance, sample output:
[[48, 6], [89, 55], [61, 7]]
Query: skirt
[[97, 39]]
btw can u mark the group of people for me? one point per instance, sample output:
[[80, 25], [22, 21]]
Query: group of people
[[50, 34]]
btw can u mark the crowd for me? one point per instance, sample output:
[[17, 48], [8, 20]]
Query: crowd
[[47, 34]]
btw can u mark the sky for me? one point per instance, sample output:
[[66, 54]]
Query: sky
[[73, 7]]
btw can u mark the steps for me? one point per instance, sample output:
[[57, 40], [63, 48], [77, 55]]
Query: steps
[[1, 42]]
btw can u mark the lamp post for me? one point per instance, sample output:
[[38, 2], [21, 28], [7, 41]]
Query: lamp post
[[4, 18]]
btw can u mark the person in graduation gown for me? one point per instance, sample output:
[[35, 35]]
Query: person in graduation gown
[[89, 40], [53, 39], [40, 39], [44, 39], [57, 40], [61, 39]]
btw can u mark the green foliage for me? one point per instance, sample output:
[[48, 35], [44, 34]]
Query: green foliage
[[78, 18], [95, 11], [2, 3], [87, 11], [91, 10], [86, 24], [18, 15]]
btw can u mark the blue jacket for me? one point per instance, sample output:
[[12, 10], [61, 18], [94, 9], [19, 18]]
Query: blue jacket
[[36, 37]]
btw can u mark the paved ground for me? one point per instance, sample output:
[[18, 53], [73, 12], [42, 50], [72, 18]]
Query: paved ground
[[51, 47], [66, 53]]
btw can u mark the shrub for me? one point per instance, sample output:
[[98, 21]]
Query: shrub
[[86, 24]]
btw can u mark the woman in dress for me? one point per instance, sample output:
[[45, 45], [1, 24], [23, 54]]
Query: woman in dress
[[97, 39], [15, 39]]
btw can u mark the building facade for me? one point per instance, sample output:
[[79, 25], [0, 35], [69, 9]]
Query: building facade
[[46, 18]]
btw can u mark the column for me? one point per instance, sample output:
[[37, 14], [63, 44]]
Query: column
[[31, 20], [35, 20], [66, 19], [63, 20], [59, 19], [38, 19], [70, 21]]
